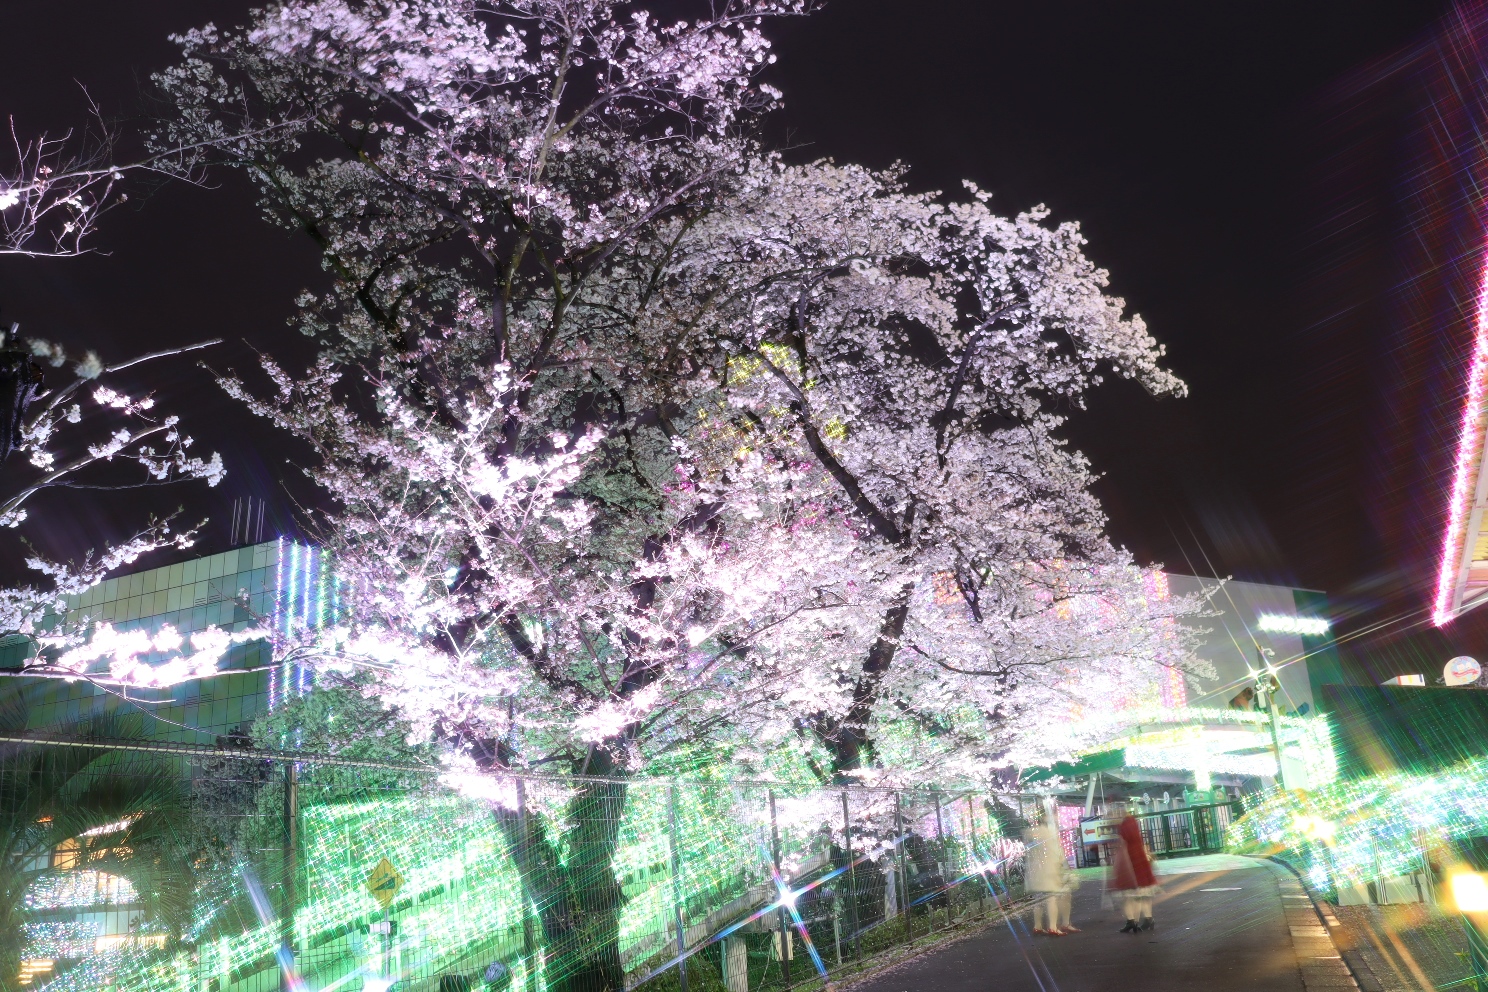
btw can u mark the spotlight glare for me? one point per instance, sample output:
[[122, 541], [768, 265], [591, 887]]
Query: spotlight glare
[[1470, 892]]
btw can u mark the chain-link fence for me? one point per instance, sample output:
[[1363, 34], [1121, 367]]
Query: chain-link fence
[[147, 867]]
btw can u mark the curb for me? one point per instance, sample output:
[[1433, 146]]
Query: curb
[[1360, 972]]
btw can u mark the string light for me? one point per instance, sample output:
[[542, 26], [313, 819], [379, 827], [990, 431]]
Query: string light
[[1366, 829], [64, 939], [85, 887]]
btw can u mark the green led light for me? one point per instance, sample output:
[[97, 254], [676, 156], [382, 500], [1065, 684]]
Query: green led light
[[1364, 830]]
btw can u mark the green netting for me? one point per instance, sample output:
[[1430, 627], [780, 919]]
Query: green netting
[[541, 884]]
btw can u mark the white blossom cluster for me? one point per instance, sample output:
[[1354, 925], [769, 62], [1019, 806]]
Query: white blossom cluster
[[63, 447]]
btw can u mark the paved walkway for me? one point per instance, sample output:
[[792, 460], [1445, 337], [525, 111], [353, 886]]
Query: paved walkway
[[1223, 923]]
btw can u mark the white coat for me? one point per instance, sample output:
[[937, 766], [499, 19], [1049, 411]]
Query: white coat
[[1044, 866]]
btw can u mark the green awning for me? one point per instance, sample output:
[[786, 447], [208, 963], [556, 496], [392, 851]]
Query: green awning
[[1101, 761]]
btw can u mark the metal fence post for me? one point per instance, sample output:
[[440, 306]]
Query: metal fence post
[[522, 862], [903, 878], [291, 869], [780, 882], [677, 889], [1477, 954], [939, 862], [975, 857], [852, 880]]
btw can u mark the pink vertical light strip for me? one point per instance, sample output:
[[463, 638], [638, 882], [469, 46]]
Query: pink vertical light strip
[[1459, 506]]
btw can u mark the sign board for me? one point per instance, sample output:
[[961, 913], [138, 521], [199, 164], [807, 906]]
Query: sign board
[[384, 883], [1098, 831], [1461, 670]]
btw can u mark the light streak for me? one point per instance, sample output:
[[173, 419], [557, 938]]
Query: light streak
[[1469, 448], [296, 588], [304, 584]]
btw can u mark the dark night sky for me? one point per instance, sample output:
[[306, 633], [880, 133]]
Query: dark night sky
[[1244, 170]]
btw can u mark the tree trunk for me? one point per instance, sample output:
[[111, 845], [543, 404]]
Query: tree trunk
[[848, 740], [570, 879]]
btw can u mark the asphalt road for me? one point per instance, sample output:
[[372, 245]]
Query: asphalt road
[[1217, 931]]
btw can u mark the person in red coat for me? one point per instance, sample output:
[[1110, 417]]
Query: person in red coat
[[1132, 875]]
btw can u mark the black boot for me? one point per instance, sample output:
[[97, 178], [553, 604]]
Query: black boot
[[1131, 927], [1148, 923]]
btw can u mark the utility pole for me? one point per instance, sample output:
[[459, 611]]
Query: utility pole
[[1267, 687]]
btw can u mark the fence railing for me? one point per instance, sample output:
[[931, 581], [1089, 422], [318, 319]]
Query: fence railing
[[1170, 833], [177, 869]]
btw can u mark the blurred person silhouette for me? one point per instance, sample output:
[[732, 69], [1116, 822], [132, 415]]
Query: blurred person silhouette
[[1047, 875], [1132, 876]]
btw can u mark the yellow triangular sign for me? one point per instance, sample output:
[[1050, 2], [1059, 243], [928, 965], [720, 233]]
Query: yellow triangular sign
[[384, 883]]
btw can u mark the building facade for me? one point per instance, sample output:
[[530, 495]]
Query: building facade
[[270, 586], [79, 913]]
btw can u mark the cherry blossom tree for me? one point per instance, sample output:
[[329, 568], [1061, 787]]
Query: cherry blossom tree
[[491, 186], [80, 433], [917, 352], [637, 436]]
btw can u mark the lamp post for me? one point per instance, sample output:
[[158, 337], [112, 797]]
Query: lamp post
[[1266, 687]]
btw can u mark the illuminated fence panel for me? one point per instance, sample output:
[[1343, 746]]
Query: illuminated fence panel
[[701, 875]]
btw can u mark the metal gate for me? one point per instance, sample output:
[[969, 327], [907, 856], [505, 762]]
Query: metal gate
[[1167, 833]]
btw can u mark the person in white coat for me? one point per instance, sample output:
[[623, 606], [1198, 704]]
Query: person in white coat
[[1047, 877]]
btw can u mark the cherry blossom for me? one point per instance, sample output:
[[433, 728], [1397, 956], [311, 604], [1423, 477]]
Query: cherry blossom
[[64, 451]]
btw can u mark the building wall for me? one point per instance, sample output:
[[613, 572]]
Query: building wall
[[272, 585], [1232, 640]]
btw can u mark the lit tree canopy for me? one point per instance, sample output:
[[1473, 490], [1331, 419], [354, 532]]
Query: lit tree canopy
[[618, 411]]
